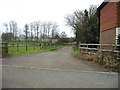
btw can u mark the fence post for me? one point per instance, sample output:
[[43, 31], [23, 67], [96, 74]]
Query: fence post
[[39, 45], [87, 49], [4, 49], [26, 47], [17, 47]]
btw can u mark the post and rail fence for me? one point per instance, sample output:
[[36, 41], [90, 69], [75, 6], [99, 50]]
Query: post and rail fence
[[104, 48], [86, 48], [7, 49]]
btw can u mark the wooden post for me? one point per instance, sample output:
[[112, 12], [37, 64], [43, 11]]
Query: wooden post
[[17, 47], [26, 47], [4, 49], [87, 49]]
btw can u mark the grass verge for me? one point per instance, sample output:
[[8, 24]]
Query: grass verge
[[75, 51]]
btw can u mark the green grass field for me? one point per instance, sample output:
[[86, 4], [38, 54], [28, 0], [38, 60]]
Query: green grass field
[[12, 50]]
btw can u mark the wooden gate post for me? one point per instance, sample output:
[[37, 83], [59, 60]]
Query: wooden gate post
[[4, 49]]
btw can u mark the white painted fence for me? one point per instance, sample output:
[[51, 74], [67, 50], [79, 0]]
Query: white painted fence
[[93, 48]]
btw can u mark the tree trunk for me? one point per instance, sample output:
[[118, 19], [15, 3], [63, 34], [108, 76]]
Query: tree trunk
[[77, 39]]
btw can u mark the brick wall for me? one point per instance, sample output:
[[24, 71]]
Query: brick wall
[[119, 14], [108, 37], [108, 16]]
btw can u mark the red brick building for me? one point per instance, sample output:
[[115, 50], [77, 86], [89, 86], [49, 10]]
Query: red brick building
[[109, 22]]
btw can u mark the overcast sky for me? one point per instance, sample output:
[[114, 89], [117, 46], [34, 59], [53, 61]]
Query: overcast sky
[[27, 11]]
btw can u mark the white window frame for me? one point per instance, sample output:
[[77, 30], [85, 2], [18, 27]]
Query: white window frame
[[117, 33]]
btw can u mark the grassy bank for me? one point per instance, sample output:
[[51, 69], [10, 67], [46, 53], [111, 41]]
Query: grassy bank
[[13, 51], [108, 61], [75, 51]]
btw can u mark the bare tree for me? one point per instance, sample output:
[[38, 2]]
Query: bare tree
[[75, 21], [49, 26], [43, 30], [40, 31], [31, 28], [37, 29], [26, 34], [92, 10], [6, 26], [54, 30], [84, 24], [63, 35], [13, 29]]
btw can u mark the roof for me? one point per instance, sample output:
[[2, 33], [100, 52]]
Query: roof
[[102, 5]]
